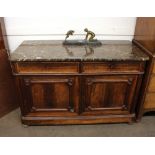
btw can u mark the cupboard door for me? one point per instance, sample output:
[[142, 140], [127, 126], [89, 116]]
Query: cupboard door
[[50, 96], [108, 94]]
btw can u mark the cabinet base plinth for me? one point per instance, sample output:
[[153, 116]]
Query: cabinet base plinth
[[78, 120]]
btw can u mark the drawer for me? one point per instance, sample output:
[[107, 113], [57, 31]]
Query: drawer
[[149, 101], [151, 87], [44, 67], [112, 67]]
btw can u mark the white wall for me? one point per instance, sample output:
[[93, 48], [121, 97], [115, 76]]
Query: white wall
[[19, 29]]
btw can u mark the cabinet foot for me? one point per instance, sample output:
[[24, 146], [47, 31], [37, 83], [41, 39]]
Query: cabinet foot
[[132, 122], [138, 120], [25, 126]]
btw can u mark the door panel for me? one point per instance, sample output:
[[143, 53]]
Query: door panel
[[48, 95], [108, 94], [55, 95]]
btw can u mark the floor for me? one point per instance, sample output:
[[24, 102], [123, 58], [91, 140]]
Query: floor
[[10, 125]]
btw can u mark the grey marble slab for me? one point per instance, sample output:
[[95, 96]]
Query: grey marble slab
[[49, 50]]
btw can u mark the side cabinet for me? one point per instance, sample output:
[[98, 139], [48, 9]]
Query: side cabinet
[[108, 94], [49, 96]]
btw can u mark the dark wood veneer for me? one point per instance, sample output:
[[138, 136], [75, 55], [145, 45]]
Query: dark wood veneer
[[104, 92], [46, 68], [96, 67]]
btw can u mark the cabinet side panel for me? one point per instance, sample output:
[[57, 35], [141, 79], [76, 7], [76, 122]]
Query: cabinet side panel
[[8, 94], [145, 32], [149, 101]]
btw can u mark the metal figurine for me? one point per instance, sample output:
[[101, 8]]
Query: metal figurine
[[89, 39], [70, 32], [89, 33]]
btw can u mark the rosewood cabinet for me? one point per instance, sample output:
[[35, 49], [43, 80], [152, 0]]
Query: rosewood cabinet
[[76, 90]]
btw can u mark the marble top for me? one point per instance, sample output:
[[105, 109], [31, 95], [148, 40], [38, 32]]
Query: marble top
[[49, 50]]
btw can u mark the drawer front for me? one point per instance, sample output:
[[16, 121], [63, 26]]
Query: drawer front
[[112, 67], [150, 101], [43, 68], [151, 87]]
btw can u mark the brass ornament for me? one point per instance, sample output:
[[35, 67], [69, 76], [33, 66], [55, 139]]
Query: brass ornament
[[90, 35], [70, 32]]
